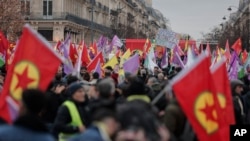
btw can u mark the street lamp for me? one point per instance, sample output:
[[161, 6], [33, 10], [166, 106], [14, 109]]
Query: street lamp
[[243, 28], [92, 21]]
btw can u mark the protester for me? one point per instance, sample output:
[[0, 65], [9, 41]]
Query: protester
[[106, 88], [28, 126], [55, 99], [72, 117], [136, 90], [139, 122], [104, 125], [239, 105]]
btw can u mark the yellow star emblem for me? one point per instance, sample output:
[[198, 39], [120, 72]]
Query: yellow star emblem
[[26, 75]]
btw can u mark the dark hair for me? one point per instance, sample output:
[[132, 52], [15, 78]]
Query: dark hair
[[96, 75], [71, 79], [109, 68], [34, 100], [136, 86], [86, 76], [102, 109], [83, 68], [139, 115]]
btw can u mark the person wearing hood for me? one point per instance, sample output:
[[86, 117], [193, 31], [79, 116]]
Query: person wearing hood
[[239, 105], [72, 117]]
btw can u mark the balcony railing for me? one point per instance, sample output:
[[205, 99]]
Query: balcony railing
[[70, 17]]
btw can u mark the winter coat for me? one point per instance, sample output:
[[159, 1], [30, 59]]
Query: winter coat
[[25, 128], [239, 113], [52, 106], [63, 119], [91, 134]]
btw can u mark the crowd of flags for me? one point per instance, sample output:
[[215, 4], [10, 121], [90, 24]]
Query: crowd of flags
[[32, 63]]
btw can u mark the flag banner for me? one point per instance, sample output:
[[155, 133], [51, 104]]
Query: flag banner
[[101, 42], [132, 64], [164, 60], [85, 55], [227, 52], [136, 44], [4, 44], [199, 100], [237, 46], [116, 42], [29, 69], [219, 74], [91, 66], [184, 44], [190, 58], [234, 66], [112, 62], [166, 38], [98, 68]]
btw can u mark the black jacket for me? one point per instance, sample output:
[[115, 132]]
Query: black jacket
[[63, 118], [54, 101], [31, 122], [239, 118]]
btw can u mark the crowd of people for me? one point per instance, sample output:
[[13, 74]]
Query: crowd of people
[[107, 108]]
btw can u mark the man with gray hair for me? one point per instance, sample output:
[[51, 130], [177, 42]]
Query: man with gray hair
[[106, 88], [151, 81]]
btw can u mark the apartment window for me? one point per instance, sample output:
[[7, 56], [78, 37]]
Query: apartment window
[[46, 33], [25, 7], [47, 8]]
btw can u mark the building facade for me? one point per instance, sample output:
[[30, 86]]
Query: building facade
[[237, 25], [54, 19]]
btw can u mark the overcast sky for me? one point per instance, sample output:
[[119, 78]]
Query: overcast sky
[[194, 16]]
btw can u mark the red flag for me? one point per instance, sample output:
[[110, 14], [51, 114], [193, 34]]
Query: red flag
[[147, 46], [219, 74], [244, 56], [73, 53], [85, 55], [199, 100], [227, 52], [237, 46], [94, 62], [58, 44], [4, 44], [95, 51], [29, 69], [135, 44]]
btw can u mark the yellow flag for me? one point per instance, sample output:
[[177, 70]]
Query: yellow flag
[[222, 51], [112, 62], [125, 56], [121, 72]]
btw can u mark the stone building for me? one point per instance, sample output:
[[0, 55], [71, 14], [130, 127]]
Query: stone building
[[54, 19]]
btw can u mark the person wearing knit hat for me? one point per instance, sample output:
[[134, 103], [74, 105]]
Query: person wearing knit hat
[[239, 105], [72, 117]]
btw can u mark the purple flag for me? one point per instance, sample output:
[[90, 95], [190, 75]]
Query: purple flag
[[233, 68], [176, 58], [101, 43], [164, 61], [116, 42], [91, 55], [132, 64], [13, 108], [67, 66], [98, 68]]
